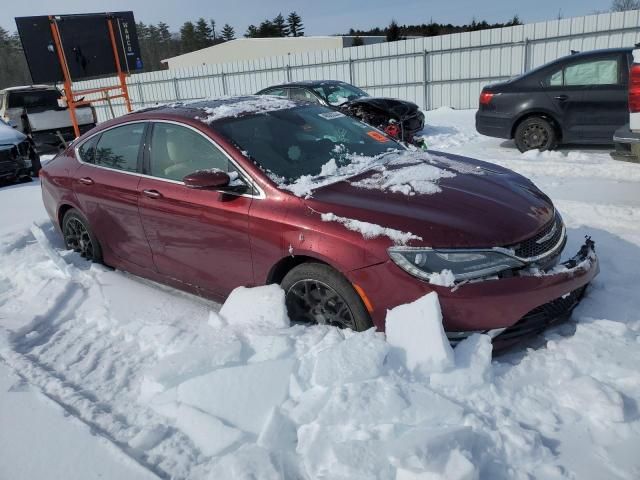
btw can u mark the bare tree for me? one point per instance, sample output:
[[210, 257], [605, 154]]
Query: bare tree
[[624, 5]]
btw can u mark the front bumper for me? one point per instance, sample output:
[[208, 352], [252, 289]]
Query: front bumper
[[48, 141], [509, 307]]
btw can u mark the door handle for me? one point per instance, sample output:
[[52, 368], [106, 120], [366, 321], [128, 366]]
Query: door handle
[[152, 193], [86, 181], [562, 98]]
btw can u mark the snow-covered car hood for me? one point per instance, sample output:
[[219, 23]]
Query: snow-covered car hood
[[10, 136], [455, 202]]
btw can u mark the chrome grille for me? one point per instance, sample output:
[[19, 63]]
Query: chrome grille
[[542, 242]]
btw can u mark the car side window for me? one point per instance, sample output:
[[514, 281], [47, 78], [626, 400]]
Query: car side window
[[177, 151], [278, 92], [302, 94], [602, 71], [118, 147], [595, 72], [87, 151]]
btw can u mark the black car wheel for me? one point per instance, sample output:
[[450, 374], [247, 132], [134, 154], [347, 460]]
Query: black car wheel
[[535, 133], [317, 294], [79, 237]]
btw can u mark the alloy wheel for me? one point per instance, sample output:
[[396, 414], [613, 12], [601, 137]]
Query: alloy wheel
[[313, 302], [77, 238]]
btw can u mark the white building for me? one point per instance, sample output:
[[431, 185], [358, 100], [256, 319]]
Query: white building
[[252, 48]]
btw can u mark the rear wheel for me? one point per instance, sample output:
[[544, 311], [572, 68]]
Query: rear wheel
[[535, 133], [317, 294], [79, 237]]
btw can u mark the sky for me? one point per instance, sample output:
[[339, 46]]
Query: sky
[[325, 17]]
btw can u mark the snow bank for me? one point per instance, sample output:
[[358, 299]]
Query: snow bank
[[263, 306], [371, 230]]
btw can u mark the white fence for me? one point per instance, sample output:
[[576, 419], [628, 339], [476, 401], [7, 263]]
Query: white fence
[[448, 70]]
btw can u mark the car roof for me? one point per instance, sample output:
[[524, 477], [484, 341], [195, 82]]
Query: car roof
[[29, 87], [220, 108], [304, 83]]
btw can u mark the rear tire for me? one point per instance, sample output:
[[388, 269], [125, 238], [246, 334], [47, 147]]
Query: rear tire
[[79, 237], [318, 294], [535, 133]]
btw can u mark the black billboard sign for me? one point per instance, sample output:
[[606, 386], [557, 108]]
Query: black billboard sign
[[86, 44]]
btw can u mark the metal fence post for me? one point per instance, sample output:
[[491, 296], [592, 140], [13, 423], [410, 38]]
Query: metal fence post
[[351, 71], [140, 95], [224, 83], [525, 56], [288, 68], [425, 79], [175, 87]]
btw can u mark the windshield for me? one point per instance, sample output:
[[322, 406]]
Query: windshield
[[304, 141], [34, 99], [338, 93]]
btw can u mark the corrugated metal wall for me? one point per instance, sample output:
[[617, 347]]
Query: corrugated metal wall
[[448, 70]]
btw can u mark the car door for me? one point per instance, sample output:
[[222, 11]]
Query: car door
[[197, 236], [591, 93], [106, 187]]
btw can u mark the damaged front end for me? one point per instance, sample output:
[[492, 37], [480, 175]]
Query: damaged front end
[[554, 311]]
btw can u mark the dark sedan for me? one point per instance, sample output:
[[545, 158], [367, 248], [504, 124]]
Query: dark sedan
[[398, 118], [578, 99], [18, 158], [248, 191]]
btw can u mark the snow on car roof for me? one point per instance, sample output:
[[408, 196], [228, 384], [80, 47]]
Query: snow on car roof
[[211, 110]]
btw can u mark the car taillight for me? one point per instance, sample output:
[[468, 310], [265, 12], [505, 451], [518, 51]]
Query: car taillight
[[634, 88], [485, 98]]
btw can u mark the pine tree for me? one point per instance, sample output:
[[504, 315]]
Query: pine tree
[[203, 34], [267, 29], [294, 22], [357, 41], [188, 39], [393, 32], [280, 25], [252, 32], [228, 33]]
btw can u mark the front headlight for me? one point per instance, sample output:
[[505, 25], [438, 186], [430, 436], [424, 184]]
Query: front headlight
[[464, 264]]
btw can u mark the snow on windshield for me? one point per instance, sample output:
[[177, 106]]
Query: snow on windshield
[[371, 230], [258, 104]]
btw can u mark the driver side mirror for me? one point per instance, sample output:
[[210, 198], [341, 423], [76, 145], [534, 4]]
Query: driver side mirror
[[207, 179]]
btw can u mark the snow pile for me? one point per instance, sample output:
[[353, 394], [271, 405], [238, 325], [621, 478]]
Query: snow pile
[[246, 105], [371, 230]]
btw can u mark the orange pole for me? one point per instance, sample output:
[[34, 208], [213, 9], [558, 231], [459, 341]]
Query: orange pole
[[121, 74], [68, 93]]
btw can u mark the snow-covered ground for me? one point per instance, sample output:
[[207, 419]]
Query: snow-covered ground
[[106, 375]]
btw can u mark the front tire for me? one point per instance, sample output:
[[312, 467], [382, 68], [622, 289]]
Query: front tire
[[535, 133], [79, 237], [317, 294]]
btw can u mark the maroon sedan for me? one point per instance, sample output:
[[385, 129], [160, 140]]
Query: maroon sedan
[[248, 191]]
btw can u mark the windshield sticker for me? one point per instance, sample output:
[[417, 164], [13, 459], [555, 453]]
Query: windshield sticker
[[331, 115], [377, 136]]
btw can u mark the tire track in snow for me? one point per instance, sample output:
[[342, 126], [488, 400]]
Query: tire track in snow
[[33, 351]]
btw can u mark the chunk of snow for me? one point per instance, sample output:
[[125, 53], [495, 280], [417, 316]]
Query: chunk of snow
[[259, 306], [445, 278], [242, 396], [209, 434], [418, 339], [371, 230], [359, 357]]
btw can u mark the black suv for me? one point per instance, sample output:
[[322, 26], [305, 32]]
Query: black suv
[[398, 118], [578, 99]]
